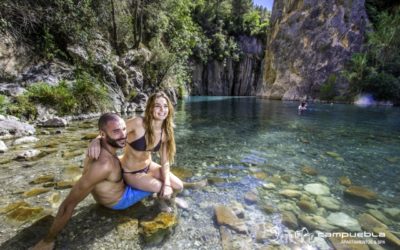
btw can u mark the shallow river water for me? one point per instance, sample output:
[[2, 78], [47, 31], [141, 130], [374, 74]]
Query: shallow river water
[[259, 158]]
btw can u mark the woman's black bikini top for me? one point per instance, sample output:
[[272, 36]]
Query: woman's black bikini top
[[140, 144]]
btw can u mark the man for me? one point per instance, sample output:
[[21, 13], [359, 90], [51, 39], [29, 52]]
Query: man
[[102, 177]]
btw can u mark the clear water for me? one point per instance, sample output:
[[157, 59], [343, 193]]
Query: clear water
[[227, 141], [218, 132]]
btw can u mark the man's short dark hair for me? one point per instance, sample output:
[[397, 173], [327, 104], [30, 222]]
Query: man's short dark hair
[[105, 118]]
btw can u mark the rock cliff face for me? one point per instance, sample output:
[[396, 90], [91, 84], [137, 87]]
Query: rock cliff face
[[309, 41], [242, 78]]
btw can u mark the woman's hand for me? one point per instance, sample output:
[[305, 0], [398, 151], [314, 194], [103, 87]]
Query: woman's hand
[[166, 191], [94, 149]]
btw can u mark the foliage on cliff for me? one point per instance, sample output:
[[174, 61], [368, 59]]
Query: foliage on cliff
[[175, 31], [376, 69]]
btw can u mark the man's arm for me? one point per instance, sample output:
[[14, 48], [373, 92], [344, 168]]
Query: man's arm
[[95, 174]]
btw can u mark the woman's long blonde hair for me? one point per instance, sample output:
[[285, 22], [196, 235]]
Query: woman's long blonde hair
[[168, 124]]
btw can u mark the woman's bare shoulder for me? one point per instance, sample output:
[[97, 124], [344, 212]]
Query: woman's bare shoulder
[[134, 122]]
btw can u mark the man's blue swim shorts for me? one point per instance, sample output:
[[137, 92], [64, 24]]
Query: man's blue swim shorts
[[130, 197]]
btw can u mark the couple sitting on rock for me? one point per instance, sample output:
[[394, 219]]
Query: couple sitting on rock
[[118, 183]]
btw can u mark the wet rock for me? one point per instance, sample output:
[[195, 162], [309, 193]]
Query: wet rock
[[156, 230], [393, 213], [71, 154], [307, 206], [344, 221], [368, 222], [90, 136], [380, 216], [181, 203], [286, 178], [54, 122], [315, 222], [345, 181], [25, 140], [265, 231], [128, 229], [334, 155], [182, 173], [289, 219], [260, 175], [319, 242], [25, 213], [3, 147], [195, 185], [276, 179], [35, 191], [329, 203], [288, 206], [361, 193], [28, 155], [72, 172], [250, 197], [64, 184], [268, 208], [225, 216], [13, 206], [345, 242], [43, 179], [232, 241], [269, 186], [290, 193], [238, 209], [55, 199], [317, 189], [10, 125], [309, 170], [216, 180]]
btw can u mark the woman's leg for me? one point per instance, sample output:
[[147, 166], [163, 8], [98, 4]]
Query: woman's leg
[[143, 181], [155, 171]]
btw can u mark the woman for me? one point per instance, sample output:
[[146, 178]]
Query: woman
[[151, 133]]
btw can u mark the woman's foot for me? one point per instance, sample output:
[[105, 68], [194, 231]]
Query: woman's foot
[[166, 206]]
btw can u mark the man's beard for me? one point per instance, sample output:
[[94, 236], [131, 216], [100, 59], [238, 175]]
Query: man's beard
[[114, 143]]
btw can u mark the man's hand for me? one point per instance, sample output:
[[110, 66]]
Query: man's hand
[[44, 245], [94, 149]]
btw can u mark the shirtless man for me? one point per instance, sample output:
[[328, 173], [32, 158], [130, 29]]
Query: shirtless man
[[102, 178]]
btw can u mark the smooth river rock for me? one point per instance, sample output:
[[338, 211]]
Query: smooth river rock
[[54, 122], [361, 193], [25, 139], [317, 189], [329, 203], [225, 216], [11, 126], [3, 147], [344, 221], [28, 155]]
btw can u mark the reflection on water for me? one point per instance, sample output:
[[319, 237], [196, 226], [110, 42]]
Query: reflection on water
[[227, 130]]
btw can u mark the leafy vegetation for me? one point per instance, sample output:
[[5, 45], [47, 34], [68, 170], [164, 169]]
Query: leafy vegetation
[[377, 69], [328, 89]]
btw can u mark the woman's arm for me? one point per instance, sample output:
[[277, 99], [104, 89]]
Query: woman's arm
[[166, 189]]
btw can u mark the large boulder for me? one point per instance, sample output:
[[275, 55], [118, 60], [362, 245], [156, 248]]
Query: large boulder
[[10, 126], [309, 41]]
